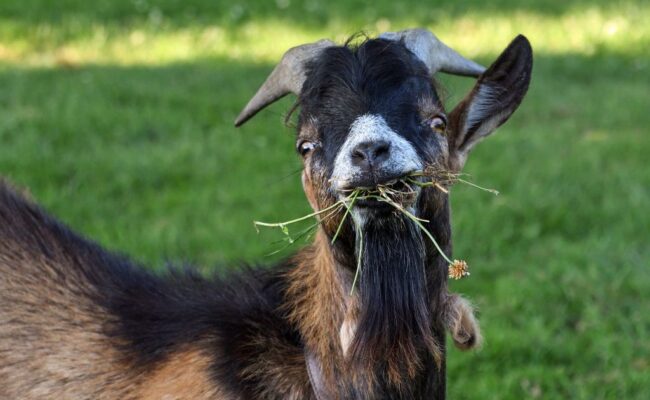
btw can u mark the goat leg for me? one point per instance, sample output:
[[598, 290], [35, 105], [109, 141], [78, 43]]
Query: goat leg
[[461, 323]]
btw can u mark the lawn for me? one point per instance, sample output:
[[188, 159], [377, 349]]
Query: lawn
[[118, 116]]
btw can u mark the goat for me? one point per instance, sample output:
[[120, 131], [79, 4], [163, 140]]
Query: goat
[[78, 322]]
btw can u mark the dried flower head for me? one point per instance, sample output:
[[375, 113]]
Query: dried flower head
[[458, 269]]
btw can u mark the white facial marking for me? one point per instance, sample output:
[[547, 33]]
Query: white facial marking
[[346, 334], [371, 128]]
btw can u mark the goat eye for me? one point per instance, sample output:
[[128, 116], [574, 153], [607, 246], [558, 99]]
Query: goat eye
[[305, 147], [439, 124]]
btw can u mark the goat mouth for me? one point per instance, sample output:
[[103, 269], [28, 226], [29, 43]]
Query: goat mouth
[[386, 196]]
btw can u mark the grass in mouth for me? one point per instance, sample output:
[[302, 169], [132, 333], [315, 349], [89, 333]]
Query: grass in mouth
[[395, 195]]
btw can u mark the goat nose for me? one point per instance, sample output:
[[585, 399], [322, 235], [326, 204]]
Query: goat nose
[[368, 154]]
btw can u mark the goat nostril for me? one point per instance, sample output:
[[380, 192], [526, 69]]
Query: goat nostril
[[381, 151], [359, 155], [370, 152]]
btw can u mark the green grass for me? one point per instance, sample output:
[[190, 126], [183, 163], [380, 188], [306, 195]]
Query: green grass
[[118, 117]]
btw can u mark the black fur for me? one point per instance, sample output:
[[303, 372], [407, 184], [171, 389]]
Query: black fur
[[394, 322]]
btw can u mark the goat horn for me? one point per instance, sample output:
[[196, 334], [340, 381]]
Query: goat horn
[[436, 55], [287, 77]]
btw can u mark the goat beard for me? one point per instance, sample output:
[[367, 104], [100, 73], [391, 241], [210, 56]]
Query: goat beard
[[394, 325]]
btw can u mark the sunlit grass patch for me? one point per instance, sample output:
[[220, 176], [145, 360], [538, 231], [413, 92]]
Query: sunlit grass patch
[[581, 30]]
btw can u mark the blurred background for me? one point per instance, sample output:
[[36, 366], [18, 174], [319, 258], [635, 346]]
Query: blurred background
[[118, 116]]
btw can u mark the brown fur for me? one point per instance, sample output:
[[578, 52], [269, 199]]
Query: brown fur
[[314, 304], [185, 375], [461, 323], [50, 329], [53, 341], [279, 369]]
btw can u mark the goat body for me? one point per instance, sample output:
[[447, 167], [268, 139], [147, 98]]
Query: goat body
[[79, 322]]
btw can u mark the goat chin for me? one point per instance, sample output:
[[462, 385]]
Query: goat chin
[[394, 325]]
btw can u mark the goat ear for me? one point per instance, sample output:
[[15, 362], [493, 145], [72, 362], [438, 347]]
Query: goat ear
[[496, 95]]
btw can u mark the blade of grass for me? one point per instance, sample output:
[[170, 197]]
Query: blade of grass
[[354, 195], [417, 220], [493, 191], [359, 255], [293, 221], [304, 233]]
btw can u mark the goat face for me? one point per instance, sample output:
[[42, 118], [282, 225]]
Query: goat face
[[369, 116]]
